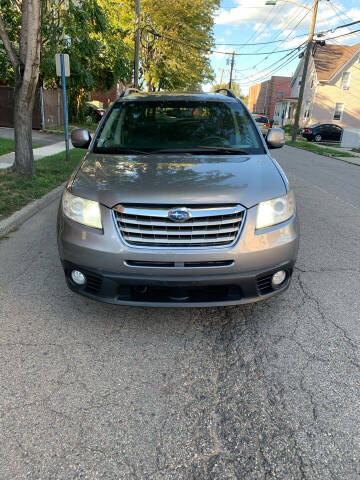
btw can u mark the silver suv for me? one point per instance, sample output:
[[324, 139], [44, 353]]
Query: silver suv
[[178, 202]]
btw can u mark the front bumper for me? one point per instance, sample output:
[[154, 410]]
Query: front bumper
[[120, 274], [182, 291]]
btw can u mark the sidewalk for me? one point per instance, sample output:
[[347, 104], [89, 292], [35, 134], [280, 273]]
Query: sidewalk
[[8, 159], [354, 159], [340, 149]]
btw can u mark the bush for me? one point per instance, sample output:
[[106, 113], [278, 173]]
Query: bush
[[289, 129]]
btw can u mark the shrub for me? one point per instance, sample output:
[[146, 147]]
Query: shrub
[[289, 128]]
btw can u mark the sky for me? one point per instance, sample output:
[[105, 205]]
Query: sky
[[251, 21]]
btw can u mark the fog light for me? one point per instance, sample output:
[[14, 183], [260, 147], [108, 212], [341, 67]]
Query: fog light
[[78, 277], [278, 278]]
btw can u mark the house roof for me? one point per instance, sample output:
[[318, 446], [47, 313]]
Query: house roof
[[331, 58]]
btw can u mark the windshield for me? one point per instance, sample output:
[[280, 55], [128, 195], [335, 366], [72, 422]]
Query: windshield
[[157, 125]]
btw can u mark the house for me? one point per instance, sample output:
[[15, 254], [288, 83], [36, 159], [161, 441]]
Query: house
[[332, 88], [263, 96]]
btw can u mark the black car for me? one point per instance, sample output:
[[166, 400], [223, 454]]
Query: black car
[[322, 132], [93, 113]]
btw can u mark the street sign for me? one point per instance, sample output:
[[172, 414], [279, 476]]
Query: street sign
[[66, 64]]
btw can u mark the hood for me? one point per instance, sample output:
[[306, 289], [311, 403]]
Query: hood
[[177, 180]]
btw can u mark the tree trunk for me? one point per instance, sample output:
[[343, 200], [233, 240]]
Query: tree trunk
[[24, 96], [26, 68], [149, 85]]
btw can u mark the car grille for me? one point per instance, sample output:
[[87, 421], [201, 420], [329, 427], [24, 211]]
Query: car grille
[[207, 226]]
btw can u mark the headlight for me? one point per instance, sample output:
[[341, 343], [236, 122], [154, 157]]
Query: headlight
[[81, 210], [275, 211]]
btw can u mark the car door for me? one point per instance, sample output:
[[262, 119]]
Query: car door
[[336, 133], [325, 131]]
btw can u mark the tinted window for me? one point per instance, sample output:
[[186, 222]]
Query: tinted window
[[156, 125], [261, 120]]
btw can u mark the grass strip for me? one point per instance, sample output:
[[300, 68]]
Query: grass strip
[[7, 145], [17, 191], [311, 147]]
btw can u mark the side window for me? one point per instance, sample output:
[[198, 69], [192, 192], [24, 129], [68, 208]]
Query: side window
[[339, 110], [307, 109], [345, 81]]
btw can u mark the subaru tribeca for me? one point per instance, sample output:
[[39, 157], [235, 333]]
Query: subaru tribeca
[[178, 202]]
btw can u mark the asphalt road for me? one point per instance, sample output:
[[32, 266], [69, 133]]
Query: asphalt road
[[40, 138], [269, 391]]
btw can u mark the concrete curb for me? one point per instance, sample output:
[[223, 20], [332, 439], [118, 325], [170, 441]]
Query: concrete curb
[[19, 217], [344, 159]]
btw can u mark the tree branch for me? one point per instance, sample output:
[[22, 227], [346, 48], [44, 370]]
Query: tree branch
[[9, 47]]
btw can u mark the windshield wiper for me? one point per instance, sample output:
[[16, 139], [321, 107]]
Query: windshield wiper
[[204, 148], [234, 150], [125, 150]]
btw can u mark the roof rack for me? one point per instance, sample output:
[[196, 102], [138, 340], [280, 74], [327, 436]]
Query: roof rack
[[128, 91], [229, 93]]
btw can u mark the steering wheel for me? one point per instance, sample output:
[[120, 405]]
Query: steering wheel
[[214, 138]]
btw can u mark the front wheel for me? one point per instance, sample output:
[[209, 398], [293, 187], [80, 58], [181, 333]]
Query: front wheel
[[318, 138]]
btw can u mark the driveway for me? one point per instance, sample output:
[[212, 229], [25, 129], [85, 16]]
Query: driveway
[[40, 138], [266, 391]]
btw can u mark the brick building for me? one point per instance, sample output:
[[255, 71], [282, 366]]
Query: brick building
[[263, 96], [106, 97]]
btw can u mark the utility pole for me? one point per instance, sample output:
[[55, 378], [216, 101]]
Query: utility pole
[[221, 77], [231, 69], [305, 69], [137, 43]]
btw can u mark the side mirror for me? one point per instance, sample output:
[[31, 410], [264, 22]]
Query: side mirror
[[275, 138], [80, 138]]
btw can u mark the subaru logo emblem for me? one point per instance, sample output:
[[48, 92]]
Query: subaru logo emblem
[[180, 214]]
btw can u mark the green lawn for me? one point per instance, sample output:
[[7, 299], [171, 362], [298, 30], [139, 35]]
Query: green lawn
[[319, 150], [7, 145], [357, 150], [17, 191]]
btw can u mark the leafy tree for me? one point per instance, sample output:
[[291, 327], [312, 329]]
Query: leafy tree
[[90, 32], [176, 37]]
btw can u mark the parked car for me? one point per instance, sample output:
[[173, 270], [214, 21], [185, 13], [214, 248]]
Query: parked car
[[93, 112], [322, 132], [178, 201], [263, 123]]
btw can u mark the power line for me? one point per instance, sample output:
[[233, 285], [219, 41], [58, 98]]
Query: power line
[[281, 40], [209, 50], [338, 11], [269, 73], [343, 35], [294, 28], [287, 25], [292, 57], [276, 12], [254, 44], [266, 72], [256, 33]]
